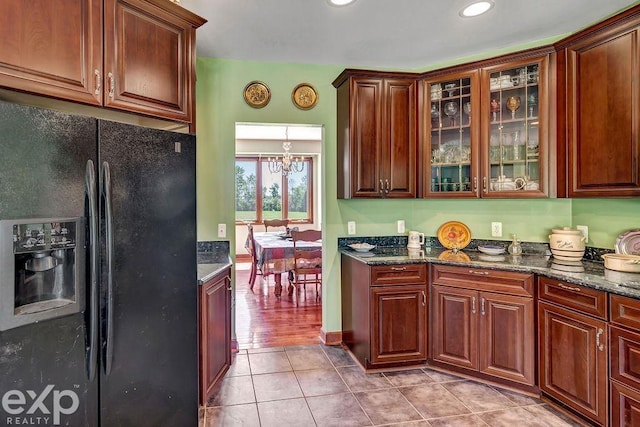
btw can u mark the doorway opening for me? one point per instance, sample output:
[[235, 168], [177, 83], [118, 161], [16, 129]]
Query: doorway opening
[[265, 191]]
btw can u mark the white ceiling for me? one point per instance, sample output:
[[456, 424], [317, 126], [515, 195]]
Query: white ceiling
[[393, 34]]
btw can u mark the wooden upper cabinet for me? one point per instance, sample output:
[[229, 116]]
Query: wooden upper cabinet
[[129, 55], [377, 146], [602, 152], [484, 129], [52, 47], [148, 63]]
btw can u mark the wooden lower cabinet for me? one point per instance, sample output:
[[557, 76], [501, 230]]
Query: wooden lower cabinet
[[573, 360], [214, 302], [484, 331], [384, 313]]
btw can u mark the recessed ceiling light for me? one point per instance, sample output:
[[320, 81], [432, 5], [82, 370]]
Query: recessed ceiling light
[[476, 8], [340, 2]]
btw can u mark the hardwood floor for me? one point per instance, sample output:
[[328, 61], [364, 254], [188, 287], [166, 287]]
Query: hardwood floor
[[263, 320]]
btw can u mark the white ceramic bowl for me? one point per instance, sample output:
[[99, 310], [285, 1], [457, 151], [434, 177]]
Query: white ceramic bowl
[[361, 247], [491, 250]]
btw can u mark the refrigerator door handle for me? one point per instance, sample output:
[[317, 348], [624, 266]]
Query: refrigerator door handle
[[106, 195], [90, 199]]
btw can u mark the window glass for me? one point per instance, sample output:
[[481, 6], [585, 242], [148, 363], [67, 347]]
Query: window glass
[[271, 193], [246, 190], [262, 195], [298, 192]]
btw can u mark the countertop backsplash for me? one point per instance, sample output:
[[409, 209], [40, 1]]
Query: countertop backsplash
[[212, 252]]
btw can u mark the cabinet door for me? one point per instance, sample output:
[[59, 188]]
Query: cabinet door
[[148, 64], [625, 406], [399, 165], [573, 360], [215, 332], [399, 321], [603, 98], [514, 129], [52, 47], [454, 322], [366, 152], [451, 153], [507, 337]]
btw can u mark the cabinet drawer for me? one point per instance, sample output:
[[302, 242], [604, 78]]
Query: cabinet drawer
[[508, 282], [400, 274], [624, 356], [585, 300], [625, 311]]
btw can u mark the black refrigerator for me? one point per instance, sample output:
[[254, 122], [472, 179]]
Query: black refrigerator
[[105, 212]]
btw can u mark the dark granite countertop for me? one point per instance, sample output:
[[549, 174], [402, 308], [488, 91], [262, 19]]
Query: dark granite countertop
[[213, 258], [207, 271], [586, 273]]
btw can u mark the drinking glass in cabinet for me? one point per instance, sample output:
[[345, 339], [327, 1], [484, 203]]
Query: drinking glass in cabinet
[[451, 109], [532, 101], [495, 109], [513, 104], [467, 109], [435, 116]]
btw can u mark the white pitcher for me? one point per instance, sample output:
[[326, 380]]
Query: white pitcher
[[416, 240]]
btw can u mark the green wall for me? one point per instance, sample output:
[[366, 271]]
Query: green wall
[[220, 105]]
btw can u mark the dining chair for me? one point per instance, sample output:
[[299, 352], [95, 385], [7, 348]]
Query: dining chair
[[307, 266], [255, 270], [273, 223]]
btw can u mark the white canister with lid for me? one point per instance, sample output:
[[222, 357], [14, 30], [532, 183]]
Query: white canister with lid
[[567, 243]]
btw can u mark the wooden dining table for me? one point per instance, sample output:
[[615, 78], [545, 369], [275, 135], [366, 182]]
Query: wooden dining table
[[275, 255]]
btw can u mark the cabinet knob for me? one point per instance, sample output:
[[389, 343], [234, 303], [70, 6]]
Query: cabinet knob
[[398, 268], [424, 299], [387, 186], [484, 184], [381, 190], [473, 305], [475, 183], [482, 306]]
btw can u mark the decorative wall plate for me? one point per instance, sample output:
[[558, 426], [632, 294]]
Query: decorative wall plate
[[454, 235], [257, 94], [304, 96]]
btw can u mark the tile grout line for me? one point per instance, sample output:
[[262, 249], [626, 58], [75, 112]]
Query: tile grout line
[[299, 385], [349, 388]]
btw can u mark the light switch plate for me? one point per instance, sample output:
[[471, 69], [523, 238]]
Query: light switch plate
[[401, 226], [585, 232], [496, 229], [222, 230], [351, 227]]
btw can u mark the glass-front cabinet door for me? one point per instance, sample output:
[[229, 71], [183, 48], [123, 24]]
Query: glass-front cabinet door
[[485, 131], [451, 135], [513, 129]]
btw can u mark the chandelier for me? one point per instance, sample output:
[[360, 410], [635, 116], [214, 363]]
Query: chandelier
[[287, 163]]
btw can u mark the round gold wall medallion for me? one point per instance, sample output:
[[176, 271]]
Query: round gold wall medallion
[[304, 96], [257, 94]]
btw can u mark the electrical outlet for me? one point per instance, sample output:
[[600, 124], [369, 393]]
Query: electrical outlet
[[222, 230], [401, 226], [585, 232], [496, 229], [351, 227]]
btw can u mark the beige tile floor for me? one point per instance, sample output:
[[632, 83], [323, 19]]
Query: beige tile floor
[[319, 385]]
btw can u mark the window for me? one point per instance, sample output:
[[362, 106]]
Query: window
[[262, 195]]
